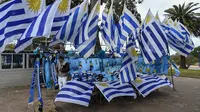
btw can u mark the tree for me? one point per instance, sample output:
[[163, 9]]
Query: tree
[[196, 52], [187, 16], [190, 60]]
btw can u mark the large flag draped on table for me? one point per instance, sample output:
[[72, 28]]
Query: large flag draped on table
[[88, 41], [115, 89], [16, 16], [76, 92], [128, 69], [71, 27], [153, 40], [178, 37], [41, 26], [151, 83]]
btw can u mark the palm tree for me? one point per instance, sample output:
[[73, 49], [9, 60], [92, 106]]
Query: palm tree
[[187, 16]]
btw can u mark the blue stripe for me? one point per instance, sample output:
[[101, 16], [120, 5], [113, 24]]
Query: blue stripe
[[153, 87], [88, 47], [126, 62], [77, 92], [94, 30], [94, 20], [78, 85], [150, 46], [12, 13], [156, 40], [60, 19], [63, 31], [133, 72], [9, 4], [182, 50], [16, 23], [130, 44], [144, 51], [127, 74], [75, 16], [30, 30], [14, 32], [177, 33], [122, 77], [129, 19], [56, 28], [119, 92], [160, 32], [116, 88], [21, 42], [150, 82], [43, 21], [74, 98]]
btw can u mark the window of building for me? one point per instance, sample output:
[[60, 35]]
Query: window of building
[[17, 61], [6, 60]]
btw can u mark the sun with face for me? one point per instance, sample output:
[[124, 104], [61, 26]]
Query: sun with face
[[63, 6], [34, 5]]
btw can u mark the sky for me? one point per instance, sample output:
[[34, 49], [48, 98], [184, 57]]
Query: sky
[[161, 5]]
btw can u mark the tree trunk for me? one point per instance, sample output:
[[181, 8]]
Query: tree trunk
[[183, 62]]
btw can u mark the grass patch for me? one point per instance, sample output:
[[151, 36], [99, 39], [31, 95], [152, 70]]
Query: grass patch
[[188, 73]]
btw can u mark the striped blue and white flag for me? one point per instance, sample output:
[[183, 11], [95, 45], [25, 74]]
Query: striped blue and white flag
[[76, 92], [128, 69], [40, 27], [115, 89], [61, 16], [16, 16], [177, 39], [149, 84], [107, 30], [86, 44], [129, 22], [153, 40], [71, 27]]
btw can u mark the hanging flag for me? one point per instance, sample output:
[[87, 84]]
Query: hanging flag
[[176, 39], [71, 27], [153, 40], [129, 22], [88, 41], [76, 92], [128, 69], [151, 83], [16, 16], [107, 28], [115, 89], [61, 16], [40, 27]]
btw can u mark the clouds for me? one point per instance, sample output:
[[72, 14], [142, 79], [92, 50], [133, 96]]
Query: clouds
[[160, 6]]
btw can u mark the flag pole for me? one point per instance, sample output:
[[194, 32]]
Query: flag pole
[[172, 78]]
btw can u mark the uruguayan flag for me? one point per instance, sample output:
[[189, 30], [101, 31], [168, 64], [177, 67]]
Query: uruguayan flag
[[151, 83], [76, 92], [153, 40], [41, 26], [61, 16], [71, 27], [88, 40], [16, 16], [129, 22], [177, 40], [115, 89], [128, 69], [107, 29]]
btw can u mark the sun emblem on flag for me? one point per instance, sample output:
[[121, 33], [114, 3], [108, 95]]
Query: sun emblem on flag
[[133, 52], [148, 18], [98, 8], [34, 5], [103, 84], [63, 6]]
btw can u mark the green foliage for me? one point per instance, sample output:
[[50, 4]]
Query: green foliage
[[190, 73], [190, 60], [186, 14], [118, 8], [196, 52], [4, 1]]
